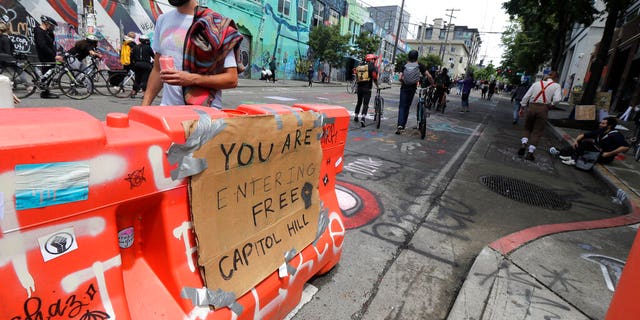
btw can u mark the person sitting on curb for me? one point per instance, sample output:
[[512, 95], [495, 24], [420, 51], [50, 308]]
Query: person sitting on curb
[[606, 139]]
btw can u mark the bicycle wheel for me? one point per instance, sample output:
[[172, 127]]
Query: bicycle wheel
[[351, 86], [124, 86], [379, 108], [23, 81], [422, 125], [75, 84], [101, 82]]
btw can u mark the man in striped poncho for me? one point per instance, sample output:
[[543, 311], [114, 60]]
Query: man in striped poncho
[[205, 49]]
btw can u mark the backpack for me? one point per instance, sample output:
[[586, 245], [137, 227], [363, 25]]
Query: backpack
[[125, 54], [587, 160], [362, 73], [411, 74], [442, 81]]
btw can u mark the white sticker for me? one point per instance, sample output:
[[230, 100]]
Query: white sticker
[[57, 244], [125, 237]]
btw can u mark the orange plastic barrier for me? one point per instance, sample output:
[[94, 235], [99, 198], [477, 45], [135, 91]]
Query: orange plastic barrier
[[624, 304], [93, 226]]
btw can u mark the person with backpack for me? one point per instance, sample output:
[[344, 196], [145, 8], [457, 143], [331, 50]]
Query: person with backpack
[[442, 86], [409, 78], [366, 75], [128, 43], [141, 60]]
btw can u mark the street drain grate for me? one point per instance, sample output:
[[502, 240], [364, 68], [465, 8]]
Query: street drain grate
[[525, 192]]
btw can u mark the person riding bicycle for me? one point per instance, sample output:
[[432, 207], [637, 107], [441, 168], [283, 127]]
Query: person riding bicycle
[[366, 75], [81, 50], [442, 85], [411, 75]]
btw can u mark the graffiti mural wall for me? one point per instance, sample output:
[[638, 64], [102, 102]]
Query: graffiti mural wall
[[269, 30]]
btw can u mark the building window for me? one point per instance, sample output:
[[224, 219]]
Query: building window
[[453, 49], [303, 9], [318, 14], [284, 7], [334, 17]]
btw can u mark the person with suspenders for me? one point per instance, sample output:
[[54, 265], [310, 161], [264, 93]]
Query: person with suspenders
[[540, 97]]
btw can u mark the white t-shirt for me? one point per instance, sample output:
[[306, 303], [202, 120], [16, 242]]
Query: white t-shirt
[[168, 40]]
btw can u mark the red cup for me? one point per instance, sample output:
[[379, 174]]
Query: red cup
[[166, 63]]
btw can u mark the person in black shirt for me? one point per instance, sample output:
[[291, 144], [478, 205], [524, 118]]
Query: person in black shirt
[[45, 47], [367, 75], [6, 47], [141, 57], [82, 49], [606, 139]]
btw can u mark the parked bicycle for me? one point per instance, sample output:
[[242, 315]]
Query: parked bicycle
[[121, 83], [26, 78]]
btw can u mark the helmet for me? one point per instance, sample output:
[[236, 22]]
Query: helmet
[[48, 20], [370, 57], [143, 37], [92, 37]]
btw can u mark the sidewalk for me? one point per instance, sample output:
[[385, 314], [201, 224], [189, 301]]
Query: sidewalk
[[559, 271], [286, 83]]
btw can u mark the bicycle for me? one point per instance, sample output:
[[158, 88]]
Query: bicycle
[[26, 78], [422, 111], [100, 77], [121, 84], [352, 86], [378, 106]]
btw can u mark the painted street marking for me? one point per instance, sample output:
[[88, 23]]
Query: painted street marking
[[280, 98]]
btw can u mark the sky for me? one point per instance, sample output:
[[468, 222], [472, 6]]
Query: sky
[[484, 15]]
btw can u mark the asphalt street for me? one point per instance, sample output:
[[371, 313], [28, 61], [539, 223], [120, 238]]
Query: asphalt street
[[419, 212]]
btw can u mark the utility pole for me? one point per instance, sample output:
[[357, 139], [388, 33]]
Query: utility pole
[[446, 34], [395, 46], [422, 36]]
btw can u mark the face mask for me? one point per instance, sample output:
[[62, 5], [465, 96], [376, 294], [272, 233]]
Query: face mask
[[177, 3]]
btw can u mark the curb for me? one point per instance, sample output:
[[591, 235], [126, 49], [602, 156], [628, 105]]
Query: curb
[[493, 257]]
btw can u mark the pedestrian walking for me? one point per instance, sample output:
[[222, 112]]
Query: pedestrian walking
[[128, 43], [209, 53], [46, 49], [516, 97], [367, 75], [141, 61], [467, 84], [272, 68], [491, 90], [411, 74], [310, 74], [540, 97]]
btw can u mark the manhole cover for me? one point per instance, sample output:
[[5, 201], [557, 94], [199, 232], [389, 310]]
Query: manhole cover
[[525, 192]]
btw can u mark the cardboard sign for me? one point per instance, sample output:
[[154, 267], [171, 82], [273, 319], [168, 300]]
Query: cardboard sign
[[603, 100], [586, 112], [258, 198]]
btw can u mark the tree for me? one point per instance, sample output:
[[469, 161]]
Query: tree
[[431, 60], [614, 9], [486, 73], [328, 45], [546, 24], [366, 43]]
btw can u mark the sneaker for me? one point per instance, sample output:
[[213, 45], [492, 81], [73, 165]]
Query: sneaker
[[362, 124], [569, 162], [530, 157], [521, 151], [400, 129], [355, 119], [565, 158], [461, 111], [48, 95]]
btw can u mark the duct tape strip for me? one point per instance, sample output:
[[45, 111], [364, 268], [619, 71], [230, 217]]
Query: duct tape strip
[[277, 116], [295, 113], [182, 153], [203, 297], [320, 122], [323, 222], [288, 256]]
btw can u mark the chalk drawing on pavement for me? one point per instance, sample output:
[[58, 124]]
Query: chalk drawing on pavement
[[611, 268]]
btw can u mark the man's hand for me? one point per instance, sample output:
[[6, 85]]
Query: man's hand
[[177, 78], [59, 58]]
